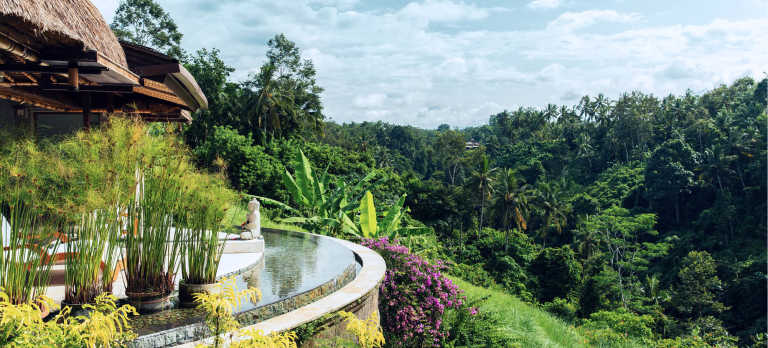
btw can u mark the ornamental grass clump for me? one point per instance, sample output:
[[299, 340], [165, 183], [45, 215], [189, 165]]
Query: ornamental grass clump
[[414, 297], [24, 264], [92, 253], [201, 249], [152, 248]]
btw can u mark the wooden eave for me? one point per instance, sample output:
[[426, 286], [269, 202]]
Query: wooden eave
[[151, 64]]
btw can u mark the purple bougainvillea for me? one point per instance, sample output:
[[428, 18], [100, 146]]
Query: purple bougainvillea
[[413, 297]]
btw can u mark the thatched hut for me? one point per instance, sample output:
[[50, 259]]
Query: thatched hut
[[61, 66]]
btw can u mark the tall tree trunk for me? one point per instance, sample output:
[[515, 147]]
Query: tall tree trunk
[[482, 208]]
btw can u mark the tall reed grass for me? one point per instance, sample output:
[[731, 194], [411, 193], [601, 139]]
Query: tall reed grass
[[152, 248], [67, 179], [24, 263], [201, 249], [92, 252]]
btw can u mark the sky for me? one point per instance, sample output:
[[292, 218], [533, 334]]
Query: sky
[[431, 62]]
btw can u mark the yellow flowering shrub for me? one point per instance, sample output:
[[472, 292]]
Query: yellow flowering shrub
[[106, 326], [257, 339], [220, 305], [368, 332]]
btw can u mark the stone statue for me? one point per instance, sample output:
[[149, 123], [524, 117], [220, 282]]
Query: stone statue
[[253, 224]]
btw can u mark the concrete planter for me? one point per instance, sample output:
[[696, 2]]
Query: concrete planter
[[147, 303], [187, 291]]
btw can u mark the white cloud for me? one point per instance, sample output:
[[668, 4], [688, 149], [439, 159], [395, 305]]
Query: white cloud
[[391, 64], [442, 11], [544, 4], [570, 21], [341, 4], [370, 100]]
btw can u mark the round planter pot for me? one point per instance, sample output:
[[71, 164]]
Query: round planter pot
[[44, 309], [187, 291], [149, 302]]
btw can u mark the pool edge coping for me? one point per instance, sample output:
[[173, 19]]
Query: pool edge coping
[[368, 279]]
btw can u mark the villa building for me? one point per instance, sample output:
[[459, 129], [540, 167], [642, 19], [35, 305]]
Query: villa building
[[62, 68], [471, 145]]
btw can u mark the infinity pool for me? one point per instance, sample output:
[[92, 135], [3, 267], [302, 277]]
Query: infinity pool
[[293, 264]]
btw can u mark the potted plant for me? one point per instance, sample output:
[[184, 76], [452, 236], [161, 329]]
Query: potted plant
[[152, 247], [201, 250], [91, 248], [25, 264], [201, 253]]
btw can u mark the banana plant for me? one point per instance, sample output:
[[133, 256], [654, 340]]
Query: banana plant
[[369, 224], [319, 208]]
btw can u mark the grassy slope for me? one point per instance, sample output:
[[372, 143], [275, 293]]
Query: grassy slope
[[528, 325]]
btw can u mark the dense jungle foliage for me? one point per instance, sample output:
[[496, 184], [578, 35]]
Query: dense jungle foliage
[[643, 207], [640, 217]]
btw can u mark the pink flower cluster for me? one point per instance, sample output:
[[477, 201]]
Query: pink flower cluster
[[413, 296]]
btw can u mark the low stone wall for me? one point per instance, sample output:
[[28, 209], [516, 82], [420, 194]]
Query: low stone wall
[[289, 304], [331, 326]]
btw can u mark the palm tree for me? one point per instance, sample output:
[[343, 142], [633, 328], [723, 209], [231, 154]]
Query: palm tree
[[273, 106], [512, 202], [553, 208], [483, 180]]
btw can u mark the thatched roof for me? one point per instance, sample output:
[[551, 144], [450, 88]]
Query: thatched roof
[[63, 23]]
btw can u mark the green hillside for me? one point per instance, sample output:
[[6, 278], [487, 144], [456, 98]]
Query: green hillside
[[523, 323]]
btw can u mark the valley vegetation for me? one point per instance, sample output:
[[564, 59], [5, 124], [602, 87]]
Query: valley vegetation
[[639, 220]]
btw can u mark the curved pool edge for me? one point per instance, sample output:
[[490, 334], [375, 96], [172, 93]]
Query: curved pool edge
[[361, 289]]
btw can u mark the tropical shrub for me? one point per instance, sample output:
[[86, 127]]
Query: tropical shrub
[[105, 326], [320, 205], [621, 321], [469, 327], [562, 308], [557, 272], [248, 166], [414, 297], [367, 332], [219, 307], [475, 274], [369, 225]]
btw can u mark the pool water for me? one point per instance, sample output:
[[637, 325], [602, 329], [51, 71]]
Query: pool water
[[293, 264]]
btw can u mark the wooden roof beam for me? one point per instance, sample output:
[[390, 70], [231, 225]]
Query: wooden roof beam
[[16, 49], [68, 55], [29, 68], [29, 77]]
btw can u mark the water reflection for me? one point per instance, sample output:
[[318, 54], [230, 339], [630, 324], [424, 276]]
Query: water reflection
[[293, 263]]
